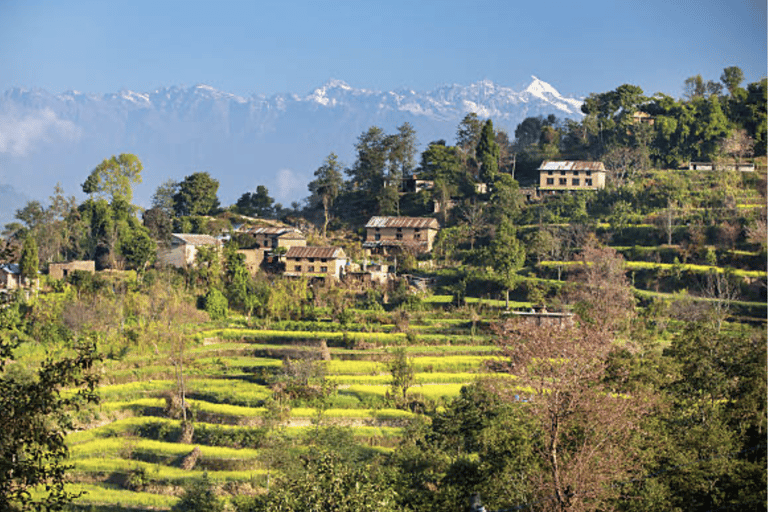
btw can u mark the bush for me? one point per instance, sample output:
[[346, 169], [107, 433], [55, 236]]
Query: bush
[[216, 304]]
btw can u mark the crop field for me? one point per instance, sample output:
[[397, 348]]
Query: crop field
[[133, 452]]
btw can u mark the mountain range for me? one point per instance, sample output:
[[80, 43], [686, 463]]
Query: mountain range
[[276, 141]]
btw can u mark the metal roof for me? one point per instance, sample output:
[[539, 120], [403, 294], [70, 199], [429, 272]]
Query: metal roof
[[10, 268], [571, 165], [196, 239], [271, 231], [315, 252], [403, 222]]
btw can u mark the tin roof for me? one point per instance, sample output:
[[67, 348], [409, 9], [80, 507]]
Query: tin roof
[[571, 165], [403, 222], [196, 240], [315, 252], [10, 268], [272, 231]]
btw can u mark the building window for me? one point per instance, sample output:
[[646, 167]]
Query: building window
[[399, 236], [588, 182], [575, 182], [297, 268], [377, 236], [549, 173], [399, 230], [266, 243], [323, 269], [563, 181], [562, 173], [589, 173], [311, 268], [323, 260], [311, 260], [575, 173], [417, 236], [550, 181]]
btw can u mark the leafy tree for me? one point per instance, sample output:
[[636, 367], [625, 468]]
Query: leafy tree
[[731, 78], [506, 255], [158, 223], [199, 497], [29, 262], [329, 484], [35, 418], [256, 204], [468, 134], [367, 173], [138, 248], [216, 304], [326, 186], [487, 153], [32, 215], [162, 199], [196, 195], [114, 177], [401, 159], [402, 372]]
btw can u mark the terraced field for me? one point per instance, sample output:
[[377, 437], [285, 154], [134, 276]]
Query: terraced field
[[138, 452]]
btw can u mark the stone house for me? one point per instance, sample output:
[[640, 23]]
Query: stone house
[[274, 237], [570, 175], [10, 276], [416, 233], [183, 249], [318, 262], [62, 270]]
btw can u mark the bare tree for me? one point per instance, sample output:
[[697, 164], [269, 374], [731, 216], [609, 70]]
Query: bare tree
[[584, 428], [600, 291]]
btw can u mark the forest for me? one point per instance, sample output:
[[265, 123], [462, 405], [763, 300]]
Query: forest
[[585, 350]]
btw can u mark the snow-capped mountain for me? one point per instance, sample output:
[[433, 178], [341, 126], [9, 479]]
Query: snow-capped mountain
[[276, 141]]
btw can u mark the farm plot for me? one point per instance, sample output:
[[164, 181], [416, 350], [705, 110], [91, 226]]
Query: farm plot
[[238, 410]]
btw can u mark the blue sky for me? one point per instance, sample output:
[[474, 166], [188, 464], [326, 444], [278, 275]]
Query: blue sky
[[268, 47]]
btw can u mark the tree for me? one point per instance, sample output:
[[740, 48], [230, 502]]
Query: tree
[[162, 199], [256, 204], [199, 497], [367, 173], [326, 186], [196, 195], [158, 223], [506, 256], [402, 372], [487, 153], [732, 77], [583, 430], [138, 248], [29, 262], [114, 177], [402, 152], [35, 418], [600, 291]]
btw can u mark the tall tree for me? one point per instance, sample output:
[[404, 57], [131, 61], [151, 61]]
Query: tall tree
[[326, 186], [196, 195], [506, 255], [367, 173], [29, 260], [257, 204], [114, 177], [731, 78], [402, 152], [163, 196], [487, 153]]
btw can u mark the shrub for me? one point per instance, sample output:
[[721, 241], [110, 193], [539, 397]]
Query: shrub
[[216, 304]]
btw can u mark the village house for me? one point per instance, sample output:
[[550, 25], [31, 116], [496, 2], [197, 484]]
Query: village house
[[316, 262], [274, 237], [10, 276], [570, 175], [62, 270], [183, 249], [415, 233]]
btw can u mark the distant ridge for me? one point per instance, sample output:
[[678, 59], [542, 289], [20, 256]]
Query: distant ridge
[[277, 141]]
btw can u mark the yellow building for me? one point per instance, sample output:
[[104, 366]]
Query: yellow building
[[320, 262], [571, 175], [416, 233]]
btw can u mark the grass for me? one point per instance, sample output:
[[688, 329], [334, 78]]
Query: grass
[[118, 447]]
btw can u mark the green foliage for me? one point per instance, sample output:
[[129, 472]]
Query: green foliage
[[216, 304], [35, 419], [256, 204], [401, 369], [196, 195], [200, 497], [115, 177], [29, 260], [487, 153]]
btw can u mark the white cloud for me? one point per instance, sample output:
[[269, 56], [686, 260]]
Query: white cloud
[[19, 134]]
